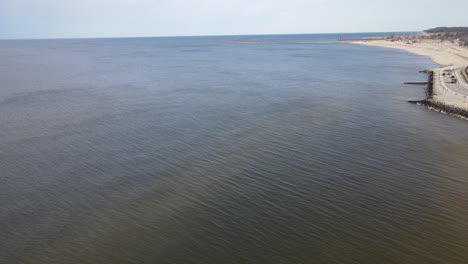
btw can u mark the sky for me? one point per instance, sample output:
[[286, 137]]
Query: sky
[[140, 18]]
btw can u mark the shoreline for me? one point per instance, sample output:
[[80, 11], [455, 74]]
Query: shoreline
[[442, 53], [446, 55]]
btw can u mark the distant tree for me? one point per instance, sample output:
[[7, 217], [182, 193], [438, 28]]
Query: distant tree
[[447, 29]]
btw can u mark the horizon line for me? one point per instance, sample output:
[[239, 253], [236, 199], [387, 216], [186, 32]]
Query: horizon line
[[215, 35]]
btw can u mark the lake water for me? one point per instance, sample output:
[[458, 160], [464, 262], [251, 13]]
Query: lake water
[[207, 150]]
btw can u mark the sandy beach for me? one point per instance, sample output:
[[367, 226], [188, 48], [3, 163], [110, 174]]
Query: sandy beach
[[442, 53], [445, 54]]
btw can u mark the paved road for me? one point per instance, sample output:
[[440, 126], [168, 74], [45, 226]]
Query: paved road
[[459, 88], [461, 78]]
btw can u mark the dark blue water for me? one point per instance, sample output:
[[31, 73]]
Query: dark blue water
[[211, 150]]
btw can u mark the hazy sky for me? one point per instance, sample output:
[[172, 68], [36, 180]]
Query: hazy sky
[[116, 18]]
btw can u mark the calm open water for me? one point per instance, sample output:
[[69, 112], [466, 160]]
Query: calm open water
[[199, 150]]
